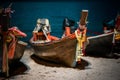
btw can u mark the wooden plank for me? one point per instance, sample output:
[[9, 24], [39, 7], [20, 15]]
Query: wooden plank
[[84, 15]]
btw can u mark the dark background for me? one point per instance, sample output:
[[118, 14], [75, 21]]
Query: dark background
[[28, 11]]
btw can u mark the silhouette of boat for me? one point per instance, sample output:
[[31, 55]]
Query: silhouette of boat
[[100, 45]]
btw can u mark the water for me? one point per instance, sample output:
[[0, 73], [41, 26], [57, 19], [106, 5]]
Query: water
[[27, 12]]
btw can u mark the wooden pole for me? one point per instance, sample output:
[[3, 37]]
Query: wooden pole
[[5, 24], [80, 36], [83, 19], [5, 65]]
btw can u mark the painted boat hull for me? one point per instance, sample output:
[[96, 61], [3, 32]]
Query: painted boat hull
[[61, 51]]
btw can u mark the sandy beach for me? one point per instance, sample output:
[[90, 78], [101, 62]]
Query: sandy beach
[[91, 68]]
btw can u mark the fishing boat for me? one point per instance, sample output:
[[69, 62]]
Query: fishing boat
[[100, 45], [19, 51], [60, 51], [65, 49], [12, 49]]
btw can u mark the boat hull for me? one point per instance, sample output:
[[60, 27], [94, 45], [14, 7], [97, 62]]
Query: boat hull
[[61, 51], [64, 50], [19, 51], [100, 45]]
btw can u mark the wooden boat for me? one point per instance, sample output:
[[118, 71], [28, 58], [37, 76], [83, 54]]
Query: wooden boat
[[100, 45], [61, 51], [64, 50], [19, 51], [11, 50]]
